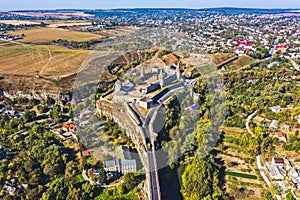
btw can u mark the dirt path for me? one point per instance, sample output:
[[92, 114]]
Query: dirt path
[[50, 58], [15, 42], [248, 121]]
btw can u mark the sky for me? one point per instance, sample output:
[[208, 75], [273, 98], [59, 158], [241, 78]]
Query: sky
[[98, 4]]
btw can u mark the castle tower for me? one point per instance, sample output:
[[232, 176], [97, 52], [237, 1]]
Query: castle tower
[[118, 86], [178, 65], [161, 78], [192, 93], [142, 72], [178, 74]]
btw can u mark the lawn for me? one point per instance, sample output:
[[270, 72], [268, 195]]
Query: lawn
[[39, 35], [241, 175], [130, 195], [48, 60]]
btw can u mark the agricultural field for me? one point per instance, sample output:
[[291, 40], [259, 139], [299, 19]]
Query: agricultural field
[[241, 177], [18, 22], [57, 24], [43, 35], [118, 31], [48, 60], [58, 14], [221, 58]]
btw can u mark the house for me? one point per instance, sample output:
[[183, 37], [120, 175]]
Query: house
[[281, 136], [128, 166], [298, 118], [112, 165], [69, 127], [9, 112], [66, 127], [9, 189], [52, 124], [293, 173], [72, 128], [275, 109], [275, 171], [84, 123], [296, 181], [117, 166], [128, 86], [281, 48], [274, 124], [278, 161], [99, 123], [86, 152], [193, 107], [286, 127]]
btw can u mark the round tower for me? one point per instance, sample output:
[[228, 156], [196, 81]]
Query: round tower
[[161, 78], [118, 86], [142, 72], [178, 74]]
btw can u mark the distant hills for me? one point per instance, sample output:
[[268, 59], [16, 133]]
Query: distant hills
[[219, 9]]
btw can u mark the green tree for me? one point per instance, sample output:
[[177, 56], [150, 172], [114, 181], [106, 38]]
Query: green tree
[[290, 196], [200, 180]]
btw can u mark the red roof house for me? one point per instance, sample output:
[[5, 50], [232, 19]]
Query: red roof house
[[280, 134], [281, 48], [278, 161]]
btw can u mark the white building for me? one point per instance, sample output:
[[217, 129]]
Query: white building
[[293, 173], [274, 124], [275, 109], [275, 172], [117, 166]]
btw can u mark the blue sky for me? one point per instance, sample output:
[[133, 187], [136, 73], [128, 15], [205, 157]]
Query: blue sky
[[51, 4]]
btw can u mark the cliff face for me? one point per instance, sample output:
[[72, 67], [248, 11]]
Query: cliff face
[[40, 95], [14, 86]]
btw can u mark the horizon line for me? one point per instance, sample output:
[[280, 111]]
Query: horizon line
[[128, 8]]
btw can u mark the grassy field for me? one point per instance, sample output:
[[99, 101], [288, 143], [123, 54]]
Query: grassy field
[[221, 58], [49, 34], [57, 24], [18, 22], [240, 62], [48, 60], [241, 175]]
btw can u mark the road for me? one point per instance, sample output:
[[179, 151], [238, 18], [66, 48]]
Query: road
[[152, 168], [261, 170], [248, 121], [151, 153], [13, 41]]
